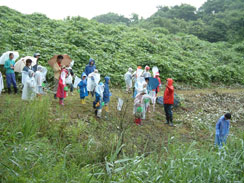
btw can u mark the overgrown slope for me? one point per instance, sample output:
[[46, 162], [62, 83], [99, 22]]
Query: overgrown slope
[[115, 48]]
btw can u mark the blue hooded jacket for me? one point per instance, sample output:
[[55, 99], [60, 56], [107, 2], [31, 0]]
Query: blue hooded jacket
[[106, 93], [222, 131], [90, 68], [83, 86]]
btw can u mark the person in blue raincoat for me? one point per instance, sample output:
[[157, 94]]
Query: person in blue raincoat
[[90, 67], [222, 130], [83, 88], [98, 103], [106, 93]]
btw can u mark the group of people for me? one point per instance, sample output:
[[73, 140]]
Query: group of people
[[140, 82], [144, 93], [32, 77], [89, 83]]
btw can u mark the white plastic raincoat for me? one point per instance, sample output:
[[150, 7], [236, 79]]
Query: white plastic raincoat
[[29, 90], [93, 80], [1, 83]]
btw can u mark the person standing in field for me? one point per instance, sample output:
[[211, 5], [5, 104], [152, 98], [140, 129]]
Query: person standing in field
[[169, 101], [61, 92], [222, 130], [83, 88], [57, 71], [128, 79], [10, 75]]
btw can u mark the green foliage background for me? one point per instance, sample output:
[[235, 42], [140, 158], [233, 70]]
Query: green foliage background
[[183, 57]]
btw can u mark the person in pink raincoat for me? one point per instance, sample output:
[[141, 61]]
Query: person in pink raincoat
[[61, 93]]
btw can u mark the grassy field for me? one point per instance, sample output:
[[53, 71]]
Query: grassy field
[[41, 141]]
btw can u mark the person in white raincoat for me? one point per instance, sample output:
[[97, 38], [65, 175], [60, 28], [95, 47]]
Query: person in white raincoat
[[1, 83], [128, 79], [92, 81], [98, 103], [138, 106], [39, 78], [29, 90], [146, 73]]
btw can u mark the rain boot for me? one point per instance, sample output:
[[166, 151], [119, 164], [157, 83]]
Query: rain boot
[[171, 124], [84, 101], [61, 102], [9, 90], [15, 90], [81, 101], [106, 108], [55, 96]]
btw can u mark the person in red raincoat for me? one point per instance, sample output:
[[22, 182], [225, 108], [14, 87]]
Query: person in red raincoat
[[169, 101], [61, 93], [159, 80]]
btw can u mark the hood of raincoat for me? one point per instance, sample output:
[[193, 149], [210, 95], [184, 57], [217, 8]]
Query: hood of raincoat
[[91, 60], [170, 82], [39, 68], [83, 74], [107, 78], [130, 70], [30, 73]]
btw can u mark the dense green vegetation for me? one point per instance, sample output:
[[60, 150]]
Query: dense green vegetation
[[115, 48], [215, 20]]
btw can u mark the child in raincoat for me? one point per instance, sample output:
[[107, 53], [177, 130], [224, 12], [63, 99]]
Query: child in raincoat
[[61, 91], [159, 80], [106, 94], [69, 79], [39, 78], [128, 79], [1, 83], [92, 81], [169, 101], [98, 104], [138, 107], [29, 90], [146, 73], [222, 130], [83, 88]]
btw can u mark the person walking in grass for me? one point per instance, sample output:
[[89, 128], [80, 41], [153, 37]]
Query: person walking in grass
[[222, 130], [10, 75], [83, 88], [169, 101]]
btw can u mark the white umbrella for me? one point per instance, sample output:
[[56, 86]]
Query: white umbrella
[[155, 70], [20, 64], [5, 56]]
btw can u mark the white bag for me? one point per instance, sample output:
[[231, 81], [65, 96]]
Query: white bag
[[77, 81], [69, 80], [120, 104]]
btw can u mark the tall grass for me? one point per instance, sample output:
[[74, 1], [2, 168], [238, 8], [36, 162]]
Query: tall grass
[[40, 143]]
